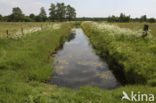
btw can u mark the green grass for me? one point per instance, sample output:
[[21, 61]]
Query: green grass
[[29, 55], [15, 28], [26, 59], [137, 26], [24, 67], [137, 55]]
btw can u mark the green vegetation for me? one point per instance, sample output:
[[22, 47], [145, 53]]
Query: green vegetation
[[136, 55], [122, 18], [42, 15], [25, 64], [28, 55], [26, 59], [17, 15], [15, 29], [61, 12], [58, 12], [138, 26]]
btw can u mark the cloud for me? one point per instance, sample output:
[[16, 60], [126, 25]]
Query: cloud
[[27, 6], [6, 5], [34, 7], [95, 8]]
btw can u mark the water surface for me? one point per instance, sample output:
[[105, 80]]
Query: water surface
[[76, 65]]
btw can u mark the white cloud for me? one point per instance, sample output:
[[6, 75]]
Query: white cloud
[[96, 8], [6, 5], [27, 6]]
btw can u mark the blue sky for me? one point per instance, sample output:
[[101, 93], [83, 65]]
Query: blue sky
[[87, 8]]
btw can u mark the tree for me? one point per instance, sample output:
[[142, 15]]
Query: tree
[[60, 11], [43, 14], [121, 18], [136, 19], [1, 17], [151, 20], [143, 18], [38, 19], [113, 19], [52, 12], [70, 13], [27, 19], [124, 18], [32, 16], [16, 15], [16, 12]]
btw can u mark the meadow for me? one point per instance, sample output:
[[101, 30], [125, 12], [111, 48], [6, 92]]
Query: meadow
[[138, 26], [19, 28], [25, 63], [128, 48]]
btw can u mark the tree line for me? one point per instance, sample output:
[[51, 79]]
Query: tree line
[[121, 18], [58, 12], [124, 18], [61, 12]]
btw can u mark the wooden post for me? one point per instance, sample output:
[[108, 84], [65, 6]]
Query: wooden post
[[7, 33], [22, 31], [41, 27], [145, 31]]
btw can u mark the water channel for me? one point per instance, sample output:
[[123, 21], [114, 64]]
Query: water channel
[[76, 64]]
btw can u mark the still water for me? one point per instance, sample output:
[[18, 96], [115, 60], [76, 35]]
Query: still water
[[76, 65]]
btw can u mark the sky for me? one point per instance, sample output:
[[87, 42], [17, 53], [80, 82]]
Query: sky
[[86, 8]]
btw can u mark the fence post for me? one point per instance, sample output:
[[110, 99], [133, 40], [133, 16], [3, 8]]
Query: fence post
[[41, 27], [22, 31], [7, 33], [145, 31]]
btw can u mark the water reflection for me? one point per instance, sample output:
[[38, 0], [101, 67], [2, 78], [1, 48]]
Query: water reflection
[[77, 65], [71, 36]]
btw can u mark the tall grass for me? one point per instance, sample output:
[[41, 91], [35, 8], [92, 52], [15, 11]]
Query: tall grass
[[26, 59], [17, 29], [29, 55], [24, 67], [138, 26], [135, 54]]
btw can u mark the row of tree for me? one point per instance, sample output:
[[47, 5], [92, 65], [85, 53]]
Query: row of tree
[[58, 12], [121, 18], [61, 12], [124, 18]]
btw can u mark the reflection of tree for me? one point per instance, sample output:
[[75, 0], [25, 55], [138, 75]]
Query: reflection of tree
[[71, 37]]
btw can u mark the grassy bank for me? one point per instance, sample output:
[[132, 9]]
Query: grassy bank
[[135, 54], [25, 59], [24, 67], [28, 55]]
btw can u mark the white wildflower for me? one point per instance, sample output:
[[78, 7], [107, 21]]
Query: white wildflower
[[115, 30]]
